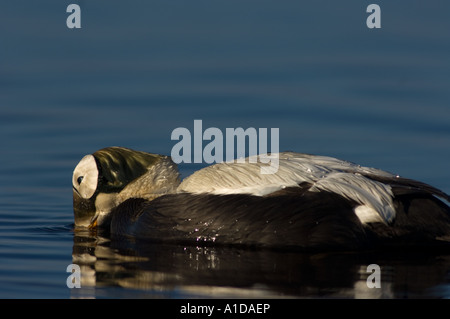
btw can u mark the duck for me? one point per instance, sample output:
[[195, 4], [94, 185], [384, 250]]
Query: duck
[[312, 202]]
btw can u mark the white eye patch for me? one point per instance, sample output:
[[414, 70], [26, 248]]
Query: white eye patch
[[85, 177]]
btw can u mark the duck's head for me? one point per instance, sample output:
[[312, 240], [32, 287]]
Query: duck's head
[[106, 178]]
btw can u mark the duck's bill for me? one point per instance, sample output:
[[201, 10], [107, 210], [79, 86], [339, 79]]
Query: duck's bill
[[84, 211]]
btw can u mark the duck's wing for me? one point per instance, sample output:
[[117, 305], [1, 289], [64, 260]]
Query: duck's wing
[[321, 173], [293, 169], [403, 186], [372, 190]]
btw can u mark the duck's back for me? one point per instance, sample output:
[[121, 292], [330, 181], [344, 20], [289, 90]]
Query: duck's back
[[312, 202]]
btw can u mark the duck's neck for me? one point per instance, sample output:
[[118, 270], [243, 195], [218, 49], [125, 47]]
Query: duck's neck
[[162, 178]]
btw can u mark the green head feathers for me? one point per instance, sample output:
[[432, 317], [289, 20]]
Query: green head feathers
[[119, 166], [99, 180]]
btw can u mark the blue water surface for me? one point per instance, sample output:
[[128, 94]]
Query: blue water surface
[[136, 70]]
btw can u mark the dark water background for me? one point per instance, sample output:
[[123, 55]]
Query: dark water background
[[136, 70]]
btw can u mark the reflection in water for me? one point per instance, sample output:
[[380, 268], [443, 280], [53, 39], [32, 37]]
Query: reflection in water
[[158, 270]]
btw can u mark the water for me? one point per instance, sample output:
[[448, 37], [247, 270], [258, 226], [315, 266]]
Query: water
[[136, 71]]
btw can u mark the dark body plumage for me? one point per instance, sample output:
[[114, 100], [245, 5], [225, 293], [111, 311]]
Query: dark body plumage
[[290, 218]]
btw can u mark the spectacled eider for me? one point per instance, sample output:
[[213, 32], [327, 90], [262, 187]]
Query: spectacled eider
[[311, 202]]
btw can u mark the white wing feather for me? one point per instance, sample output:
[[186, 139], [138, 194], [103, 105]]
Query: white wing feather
[[324, 173]]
